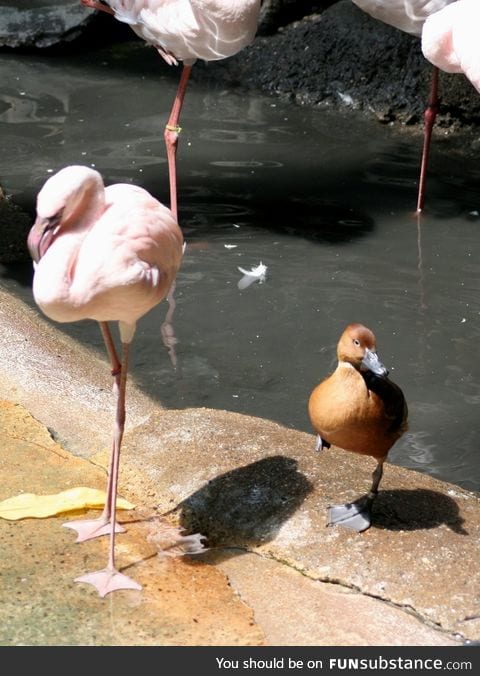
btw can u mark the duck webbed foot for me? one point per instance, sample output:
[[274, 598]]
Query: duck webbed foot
[[354, 515]]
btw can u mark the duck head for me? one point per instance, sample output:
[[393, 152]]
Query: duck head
[[357, 346]]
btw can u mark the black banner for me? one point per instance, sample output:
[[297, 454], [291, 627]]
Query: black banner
[[231, 661]]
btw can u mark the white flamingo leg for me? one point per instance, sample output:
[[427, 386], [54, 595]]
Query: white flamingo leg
[[87, 529], [110, 579]]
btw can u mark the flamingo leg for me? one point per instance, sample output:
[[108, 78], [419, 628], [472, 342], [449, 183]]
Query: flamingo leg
[[111, 351], [429, 119], [95, 4], [172, 131], [358, 515], [87, 529], [110, 579]]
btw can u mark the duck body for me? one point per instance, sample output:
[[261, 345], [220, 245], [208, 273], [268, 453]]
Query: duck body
[[358, 408], [358, 411]]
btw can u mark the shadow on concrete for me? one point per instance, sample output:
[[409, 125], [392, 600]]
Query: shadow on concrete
[[248, 505], [416, 509]]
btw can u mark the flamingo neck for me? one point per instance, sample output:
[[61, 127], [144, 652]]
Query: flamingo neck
[[54, 273]]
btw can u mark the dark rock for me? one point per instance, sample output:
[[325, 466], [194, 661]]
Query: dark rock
[[344, 57], [14, 227], [44, 23], [277, 13]]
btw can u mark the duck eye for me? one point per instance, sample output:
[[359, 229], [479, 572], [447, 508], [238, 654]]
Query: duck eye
[[356, 342]]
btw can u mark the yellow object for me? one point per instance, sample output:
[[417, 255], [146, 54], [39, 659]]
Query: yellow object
[[29, 505]]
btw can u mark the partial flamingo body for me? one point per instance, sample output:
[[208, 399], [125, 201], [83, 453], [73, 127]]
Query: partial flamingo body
[[410, 17], [108, 254], [450, 39], [186, 30], [358, 408]]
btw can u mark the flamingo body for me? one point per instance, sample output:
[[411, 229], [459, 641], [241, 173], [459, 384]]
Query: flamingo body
[[114, 256], [186, 30], [109, 254], [358, 408], [406, 15], [450, 39]]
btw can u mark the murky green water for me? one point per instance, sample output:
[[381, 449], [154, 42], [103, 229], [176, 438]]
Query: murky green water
[[324, 201]]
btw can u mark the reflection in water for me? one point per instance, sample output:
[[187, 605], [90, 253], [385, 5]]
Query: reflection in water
[[422, 306], [325, 202], [167, 330]]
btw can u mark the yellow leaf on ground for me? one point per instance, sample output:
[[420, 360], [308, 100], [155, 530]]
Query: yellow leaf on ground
[[29, 505]]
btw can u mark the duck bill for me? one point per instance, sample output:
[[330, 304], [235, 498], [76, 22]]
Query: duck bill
[[372, 363], [40, 237]]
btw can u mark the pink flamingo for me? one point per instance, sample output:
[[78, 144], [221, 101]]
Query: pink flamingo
[[450, 39], [186, 30], [109, 254], [410, 17]]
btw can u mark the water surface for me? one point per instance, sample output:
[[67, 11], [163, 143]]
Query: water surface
[[324, 200]]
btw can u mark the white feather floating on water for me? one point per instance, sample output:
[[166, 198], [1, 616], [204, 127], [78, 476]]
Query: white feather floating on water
[[256, 274]]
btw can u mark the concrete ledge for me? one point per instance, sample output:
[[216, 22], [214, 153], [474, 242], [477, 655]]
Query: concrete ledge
[[259, 492]]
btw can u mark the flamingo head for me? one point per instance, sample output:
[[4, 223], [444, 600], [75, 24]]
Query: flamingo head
[[65, 196]]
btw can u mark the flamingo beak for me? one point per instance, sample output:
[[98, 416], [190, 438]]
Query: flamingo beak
[[41, 236], [372, 363]]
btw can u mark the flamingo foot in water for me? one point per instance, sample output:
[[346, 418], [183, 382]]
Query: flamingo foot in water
[[88, 529], [354, 515], [108, 580]]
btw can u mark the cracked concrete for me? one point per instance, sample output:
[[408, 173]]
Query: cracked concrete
[[274, 574]]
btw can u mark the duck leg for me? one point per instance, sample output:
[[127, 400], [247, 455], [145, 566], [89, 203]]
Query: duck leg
[[357, 515], [321, 444]]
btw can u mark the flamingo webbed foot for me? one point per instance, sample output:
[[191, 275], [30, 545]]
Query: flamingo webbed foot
[[354, 515], [107, 580], [87, 529]]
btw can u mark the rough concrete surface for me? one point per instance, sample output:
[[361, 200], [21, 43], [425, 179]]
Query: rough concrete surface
[[274, 573]]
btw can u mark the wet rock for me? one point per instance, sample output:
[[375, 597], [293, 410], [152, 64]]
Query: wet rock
[[277, 13], [44, 23], [342, 57]]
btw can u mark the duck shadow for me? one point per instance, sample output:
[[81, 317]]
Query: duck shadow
[[248, 505], [416, 509]]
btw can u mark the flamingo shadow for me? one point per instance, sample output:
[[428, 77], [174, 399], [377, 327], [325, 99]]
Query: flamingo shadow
[[248, 505]]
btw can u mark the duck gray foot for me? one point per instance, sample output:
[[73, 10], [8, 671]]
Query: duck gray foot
[[354, 515]]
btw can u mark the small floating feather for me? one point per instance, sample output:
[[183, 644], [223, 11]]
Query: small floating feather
[[257, 274]]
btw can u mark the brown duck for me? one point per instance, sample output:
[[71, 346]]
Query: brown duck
[[358, 408]]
